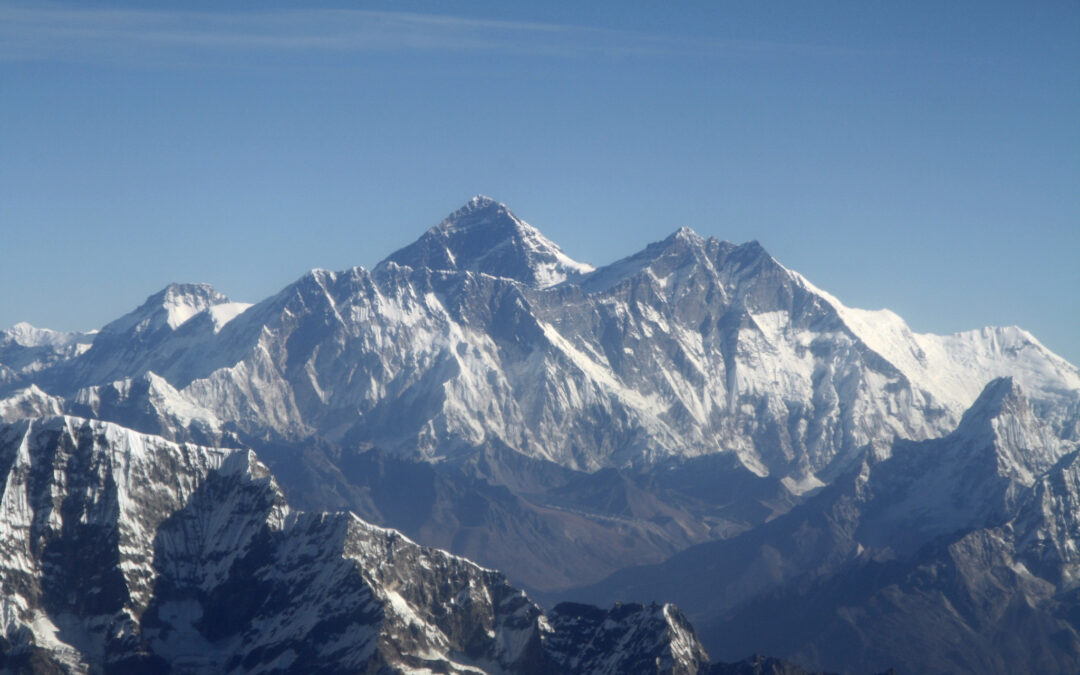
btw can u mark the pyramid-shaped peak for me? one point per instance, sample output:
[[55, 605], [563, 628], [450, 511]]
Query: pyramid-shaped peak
[[175, 290], [1000, 396], [680, 237], [1023, 445], [183, 301], [187, 293], [484, 236]]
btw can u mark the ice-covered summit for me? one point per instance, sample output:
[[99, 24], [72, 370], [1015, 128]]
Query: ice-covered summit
[[485, 236]]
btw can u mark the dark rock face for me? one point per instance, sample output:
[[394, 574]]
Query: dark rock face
[[764, 665], [619, 640]]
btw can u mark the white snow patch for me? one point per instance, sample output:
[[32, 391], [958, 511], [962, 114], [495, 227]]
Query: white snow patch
[[226, 312], [803, 484]]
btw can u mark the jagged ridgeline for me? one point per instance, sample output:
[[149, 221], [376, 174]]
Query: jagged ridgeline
[[485, 331], [697, 411]]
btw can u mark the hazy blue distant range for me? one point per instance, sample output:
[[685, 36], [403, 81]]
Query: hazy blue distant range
[[693, 423]]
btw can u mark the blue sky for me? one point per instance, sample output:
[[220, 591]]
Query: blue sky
[[923, 157]]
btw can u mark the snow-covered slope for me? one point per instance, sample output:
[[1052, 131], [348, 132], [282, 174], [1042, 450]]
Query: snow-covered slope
[[943, 364], [125, 552], [149, 403], [973, 477]]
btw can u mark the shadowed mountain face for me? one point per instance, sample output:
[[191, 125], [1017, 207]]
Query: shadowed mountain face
[[549, 526], [696, 407]]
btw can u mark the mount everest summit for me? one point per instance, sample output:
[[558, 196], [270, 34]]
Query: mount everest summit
[[485, 393]]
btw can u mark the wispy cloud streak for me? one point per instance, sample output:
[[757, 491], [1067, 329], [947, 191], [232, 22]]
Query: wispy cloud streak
[[67, 33], [60, 33]]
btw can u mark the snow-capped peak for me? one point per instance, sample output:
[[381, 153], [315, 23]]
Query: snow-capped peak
[[481, 201], [485, 236], [183, 301], [687, 234], [171, 306]]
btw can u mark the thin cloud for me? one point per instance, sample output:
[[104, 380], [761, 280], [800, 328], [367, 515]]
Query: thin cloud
[[155, 37], [68, 34]]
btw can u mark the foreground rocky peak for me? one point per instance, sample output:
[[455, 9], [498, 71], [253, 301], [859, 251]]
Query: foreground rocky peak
[[486, 237], [123, 551]]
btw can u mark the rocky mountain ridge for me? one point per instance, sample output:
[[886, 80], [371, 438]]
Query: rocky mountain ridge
[[126, 552]]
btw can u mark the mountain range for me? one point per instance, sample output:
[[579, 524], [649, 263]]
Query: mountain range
[[694, 423]]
